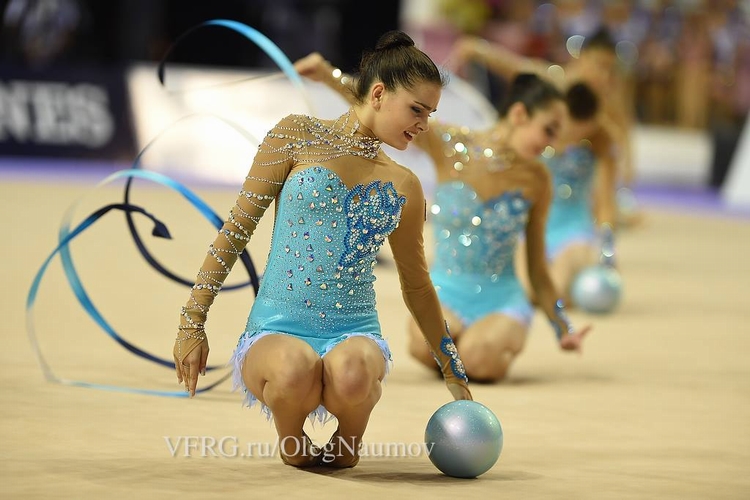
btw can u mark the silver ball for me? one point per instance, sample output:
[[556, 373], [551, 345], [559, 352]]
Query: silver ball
[[597, 289], [464, 439]]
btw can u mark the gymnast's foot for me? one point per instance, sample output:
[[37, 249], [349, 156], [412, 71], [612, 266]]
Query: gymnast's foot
[[305, 453], [339, 452]]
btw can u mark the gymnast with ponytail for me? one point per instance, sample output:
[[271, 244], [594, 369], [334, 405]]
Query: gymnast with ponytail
[[313, 346]]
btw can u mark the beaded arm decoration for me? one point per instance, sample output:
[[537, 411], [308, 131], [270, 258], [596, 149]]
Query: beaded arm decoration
[[607, 250], [561, 318], [222, 254], [448, 347]]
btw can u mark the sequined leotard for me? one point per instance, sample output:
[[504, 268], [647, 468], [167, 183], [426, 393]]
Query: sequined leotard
[[475, 242], [324, 247], [475, 239], [570, 217], [338, 198]]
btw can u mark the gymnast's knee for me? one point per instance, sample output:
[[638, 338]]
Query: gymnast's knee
[[295, 375], [487, 358], [483, 368], [352, 379]]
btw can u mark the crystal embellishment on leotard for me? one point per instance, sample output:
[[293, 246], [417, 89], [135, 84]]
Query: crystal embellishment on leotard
[[371, 210], [338, 248], [476, 236], [572, 172], [570, 216], [467, 148]]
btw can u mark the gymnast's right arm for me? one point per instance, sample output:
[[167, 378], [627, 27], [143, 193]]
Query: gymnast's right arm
[[267, 175], [498, 59]]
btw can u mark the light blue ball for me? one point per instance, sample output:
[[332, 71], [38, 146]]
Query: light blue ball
[[597, 289], [464, 439], [627, 204]]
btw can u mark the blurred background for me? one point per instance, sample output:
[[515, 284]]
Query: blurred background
[[78, 77]]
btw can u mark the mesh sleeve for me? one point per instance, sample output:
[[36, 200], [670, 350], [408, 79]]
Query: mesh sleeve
[[407, 245], [271, 166]]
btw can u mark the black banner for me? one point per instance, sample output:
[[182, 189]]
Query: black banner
[[66, 113]]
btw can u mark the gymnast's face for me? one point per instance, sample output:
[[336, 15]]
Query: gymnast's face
[[403, 113], [535, 131]]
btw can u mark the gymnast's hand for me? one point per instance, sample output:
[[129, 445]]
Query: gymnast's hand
[[463, 51], [460, 390], [573, 341], [314, 66], [192, 364]]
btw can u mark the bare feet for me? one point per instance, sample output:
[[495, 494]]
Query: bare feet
[[340, 452], [302, 453]]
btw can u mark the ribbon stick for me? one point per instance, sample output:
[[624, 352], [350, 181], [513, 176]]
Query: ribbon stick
[[255, 36], [259, 78]]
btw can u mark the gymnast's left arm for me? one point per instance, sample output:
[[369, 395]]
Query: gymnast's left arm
[[546, 294], [407, 245]]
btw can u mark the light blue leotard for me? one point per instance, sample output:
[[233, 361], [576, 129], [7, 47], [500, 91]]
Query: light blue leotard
[[318, 283], [475, 244], [570, 219]]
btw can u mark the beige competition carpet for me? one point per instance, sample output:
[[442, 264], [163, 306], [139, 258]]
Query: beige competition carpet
[[658, 405]]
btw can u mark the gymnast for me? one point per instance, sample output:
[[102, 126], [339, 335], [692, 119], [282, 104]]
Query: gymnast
[[312, 346], [583, 159]]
